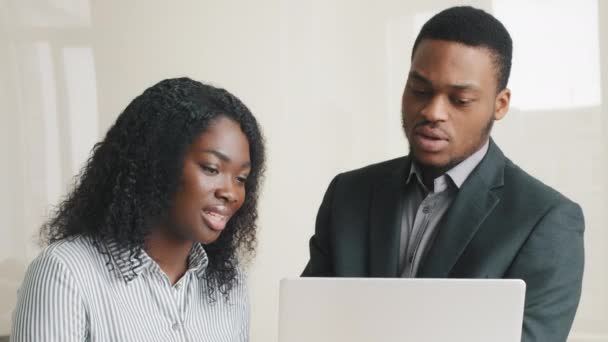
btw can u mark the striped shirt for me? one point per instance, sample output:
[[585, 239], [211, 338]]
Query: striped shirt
[[70, 294]]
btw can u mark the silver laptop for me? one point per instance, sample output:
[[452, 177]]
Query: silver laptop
[[391, 310]]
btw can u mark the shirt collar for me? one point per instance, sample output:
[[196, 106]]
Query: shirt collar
[[458, 174], [130, 265], [461, 172], [198, 260]]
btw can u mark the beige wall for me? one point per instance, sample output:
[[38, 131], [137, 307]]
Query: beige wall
[[323, 76]]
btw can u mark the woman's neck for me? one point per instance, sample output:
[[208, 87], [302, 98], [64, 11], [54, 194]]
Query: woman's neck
[[170, 254]]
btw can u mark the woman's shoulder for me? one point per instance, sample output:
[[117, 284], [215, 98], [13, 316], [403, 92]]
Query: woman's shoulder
[[72, 246], [242, 275], [71, 253], [241, 285]]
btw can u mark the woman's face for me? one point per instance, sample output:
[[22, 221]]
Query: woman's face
[[212, 187]]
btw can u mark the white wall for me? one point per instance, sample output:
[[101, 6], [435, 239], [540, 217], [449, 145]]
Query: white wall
[[323, 76]]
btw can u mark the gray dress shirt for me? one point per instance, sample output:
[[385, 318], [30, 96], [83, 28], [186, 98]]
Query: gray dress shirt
[[423, 209]]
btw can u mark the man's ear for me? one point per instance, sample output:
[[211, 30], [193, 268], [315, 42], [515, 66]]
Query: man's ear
[[501, 107]]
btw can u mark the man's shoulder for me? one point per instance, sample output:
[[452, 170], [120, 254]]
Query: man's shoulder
[[526, 189], [376, 171], [351, 191]]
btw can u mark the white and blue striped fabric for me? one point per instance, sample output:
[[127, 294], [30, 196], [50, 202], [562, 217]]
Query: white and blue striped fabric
[[70, 294]]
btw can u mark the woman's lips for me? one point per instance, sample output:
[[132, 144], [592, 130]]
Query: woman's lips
[[215, 220]]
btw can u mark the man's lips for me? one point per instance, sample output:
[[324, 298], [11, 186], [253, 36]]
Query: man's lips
[[431, 133], [430, 139], [216, 217]]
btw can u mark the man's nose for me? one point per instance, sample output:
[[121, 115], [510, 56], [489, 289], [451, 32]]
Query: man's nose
[[436, 109]]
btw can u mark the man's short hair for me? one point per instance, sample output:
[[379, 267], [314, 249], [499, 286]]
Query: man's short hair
[[472, 27]]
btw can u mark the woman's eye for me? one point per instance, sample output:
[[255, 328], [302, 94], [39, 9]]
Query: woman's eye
[[242, 179], [209, 170]]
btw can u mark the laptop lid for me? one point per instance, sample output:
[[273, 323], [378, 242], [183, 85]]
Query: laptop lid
[[398, 309]]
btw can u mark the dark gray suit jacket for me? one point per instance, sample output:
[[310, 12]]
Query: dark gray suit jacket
[[502, 224]]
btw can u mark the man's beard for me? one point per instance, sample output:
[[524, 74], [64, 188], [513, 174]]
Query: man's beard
[[439, 170]]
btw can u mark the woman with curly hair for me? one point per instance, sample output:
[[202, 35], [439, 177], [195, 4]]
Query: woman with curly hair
[[149, 244]]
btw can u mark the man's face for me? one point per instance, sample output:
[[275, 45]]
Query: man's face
[[450, 102]]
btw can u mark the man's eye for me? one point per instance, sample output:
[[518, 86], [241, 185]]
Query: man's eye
[[420, 92], [462, 102]]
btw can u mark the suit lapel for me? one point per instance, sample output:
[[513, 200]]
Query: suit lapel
[[475, 201], [385, 223]]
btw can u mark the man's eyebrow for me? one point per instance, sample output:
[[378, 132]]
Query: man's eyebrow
[[466, 85], [418, 77]]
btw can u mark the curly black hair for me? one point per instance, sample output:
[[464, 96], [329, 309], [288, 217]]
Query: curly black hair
[[473, 27], [132, 176]]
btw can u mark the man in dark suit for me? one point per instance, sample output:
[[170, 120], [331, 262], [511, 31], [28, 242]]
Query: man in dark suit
[[456, 207]]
